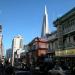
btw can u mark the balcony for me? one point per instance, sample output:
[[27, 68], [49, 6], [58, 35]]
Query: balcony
[[69, 46], [69, 30], [53, 36]]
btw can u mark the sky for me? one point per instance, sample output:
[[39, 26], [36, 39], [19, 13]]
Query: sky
[[25, 17]]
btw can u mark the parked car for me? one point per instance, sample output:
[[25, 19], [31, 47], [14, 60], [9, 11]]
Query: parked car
[[57, 70]]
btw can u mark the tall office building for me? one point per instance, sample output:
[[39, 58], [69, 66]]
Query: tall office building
[[9, 54], [1, 44], [45, 29], [17, 44]]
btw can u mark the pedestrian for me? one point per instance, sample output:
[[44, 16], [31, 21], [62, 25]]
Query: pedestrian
[[1, 68], [8, 68], [73, 72]]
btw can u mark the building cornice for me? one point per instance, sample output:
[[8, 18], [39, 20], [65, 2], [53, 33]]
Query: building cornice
[[64, 17]]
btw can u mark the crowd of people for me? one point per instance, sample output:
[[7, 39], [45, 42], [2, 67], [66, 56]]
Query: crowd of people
[[7, 69]]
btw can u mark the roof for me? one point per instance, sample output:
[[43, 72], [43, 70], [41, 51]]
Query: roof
[[65, 16], [37, 39]]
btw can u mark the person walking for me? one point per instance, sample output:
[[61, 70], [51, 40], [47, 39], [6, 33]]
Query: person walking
[[8, 68], [1, 68]]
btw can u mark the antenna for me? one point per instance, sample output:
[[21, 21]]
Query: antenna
[[45, 2]]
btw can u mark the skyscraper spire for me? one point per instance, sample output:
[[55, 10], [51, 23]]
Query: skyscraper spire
[[45, 29], [45, 10]]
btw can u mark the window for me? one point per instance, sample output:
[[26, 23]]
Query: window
[[42, 45], [74, 38], [33, 47]]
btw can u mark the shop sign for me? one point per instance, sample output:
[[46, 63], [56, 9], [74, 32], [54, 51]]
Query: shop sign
[[70, 52], [65, 52]]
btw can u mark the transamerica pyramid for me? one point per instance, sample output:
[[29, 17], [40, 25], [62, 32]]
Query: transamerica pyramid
[[45, 29]]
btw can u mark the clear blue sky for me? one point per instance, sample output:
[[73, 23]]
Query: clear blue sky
[[25, 17]]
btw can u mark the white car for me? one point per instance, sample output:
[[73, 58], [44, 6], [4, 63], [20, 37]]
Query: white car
[[56, 71]]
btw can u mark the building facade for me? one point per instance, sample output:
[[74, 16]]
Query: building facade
[[66, 33], [37, 48], [9, 54], [23, 55], [53, 41], [62, 41], [17, 47]]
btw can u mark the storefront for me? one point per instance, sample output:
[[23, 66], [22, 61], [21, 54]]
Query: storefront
[[67, 56], [69, 52]]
